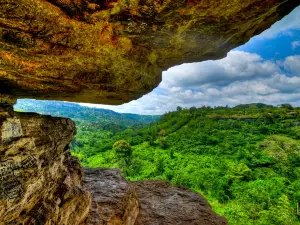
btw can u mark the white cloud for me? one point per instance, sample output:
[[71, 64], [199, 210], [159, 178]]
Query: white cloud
[[237, 65], [175, 89], [295, 45], [248, 87], [292, 64], [239, 78]]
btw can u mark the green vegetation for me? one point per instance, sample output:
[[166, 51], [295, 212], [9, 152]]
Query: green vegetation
[[80, 114], [245, 160], [123, 152]]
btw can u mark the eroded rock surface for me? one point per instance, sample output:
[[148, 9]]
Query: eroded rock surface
[[40, 182], [164, 204], [114, 199], [113, 51], [118, 202]]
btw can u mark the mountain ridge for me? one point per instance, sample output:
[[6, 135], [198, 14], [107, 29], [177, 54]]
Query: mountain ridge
[[78, 112]]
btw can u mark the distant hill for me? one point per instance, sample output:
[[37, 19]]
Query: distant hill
[[253, 106], [83, 113]]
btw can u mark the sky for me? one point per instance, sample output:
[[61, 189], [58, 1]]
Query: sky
[[266, 69]]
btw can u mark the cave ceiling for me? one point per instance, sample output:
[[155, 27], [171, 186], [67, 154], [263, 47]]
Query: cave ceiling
[[114, 51]]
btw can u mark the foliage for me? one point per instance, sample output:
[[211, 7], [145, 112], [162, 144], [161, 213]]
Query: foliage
[[123, 153], [108, 118], [244, 160]]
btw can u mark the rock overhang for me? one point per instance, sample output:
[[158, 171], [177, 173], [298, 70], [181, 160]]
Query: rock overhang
[[114, 51]]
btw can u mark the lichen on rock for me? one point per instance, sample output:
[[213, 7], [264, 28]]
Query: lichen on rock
[[40, 182], [119, 202], [114, 200], [114, 51]]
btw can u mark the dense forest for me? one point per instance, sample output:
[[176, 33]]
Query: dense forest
[[84, 114], [245, 160]]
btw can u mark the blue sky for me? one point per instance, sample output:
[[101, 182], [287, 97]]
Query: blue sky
[[266, 69]]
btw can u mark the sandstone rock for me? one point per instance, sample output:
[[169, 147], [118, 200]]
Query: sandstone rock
[[118, 202], [114, 199], [40, 183], [163, 204], [114, 51]]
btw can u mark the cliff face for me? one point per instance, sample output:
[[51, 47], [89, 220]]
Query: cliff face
[[114, 51], [41, 183]]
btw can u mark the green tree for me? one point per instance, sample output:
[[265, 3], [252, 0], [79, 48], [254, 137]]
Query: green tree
[[278, 214], [162, 133], [179, 108], [123, 152], [163, 142], [286, 106], [193, 110]]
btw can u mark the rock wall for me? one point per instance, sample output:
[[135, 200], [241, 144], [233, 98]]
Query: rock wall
[[41, 183], [114, 51]]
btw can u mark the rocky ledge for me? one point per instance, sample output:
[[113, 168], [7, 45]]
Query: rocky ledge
[[114, 51], [41, 183], [162, 203], [116, 201]]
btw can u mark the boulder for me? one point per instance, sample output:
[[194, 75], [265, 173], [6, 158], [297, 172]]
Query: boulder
[[114, 200], [164, 204]]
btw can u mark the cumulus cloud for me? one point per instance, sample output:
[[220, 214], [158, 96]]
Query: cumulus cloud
[[239, 78], [292, 64], [237, 66], [295, 45]]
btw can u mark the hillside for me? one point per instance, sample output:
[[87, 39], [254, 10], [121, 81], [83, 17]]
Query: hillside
[[253, 106], [246, 161], [83, 114], [94, 126]]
